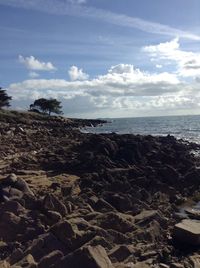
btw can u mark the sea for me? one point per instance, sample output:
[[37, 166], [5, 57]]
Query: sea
[[182, 127]]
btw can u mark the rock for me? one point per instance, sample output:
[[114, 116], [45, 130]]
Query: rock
[[176, 265], [28, 261], [53, 217], [119, 202], [19, 130], [90, 257], [22, 185], [50, 259], [10, 179], [115, 221], [169, 174], [148, 255], [70, 235], [162, 265], [103, 206], [193, 213], [5, 250], [51, 202], [150, 233], [11, 206], [120, 253], [4, 264], [43, 245], [100, 241], [55, 185], [31, 202], [16, 256], [9, 226], [195, 261], [72, 189], [188, 232], [14, 194], [147, 216], [141, 265]]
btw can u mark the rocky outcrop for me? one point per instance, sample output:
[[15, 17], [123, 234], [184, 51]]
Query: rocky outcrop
[[69, 199], [188, 231]]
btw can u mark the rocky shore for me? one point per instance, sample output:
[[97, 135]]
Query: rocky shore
[[71, 199]]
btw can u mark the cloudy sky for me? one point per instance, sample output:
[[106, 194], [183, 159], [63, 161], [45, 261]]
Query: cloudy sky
[[102, 58]]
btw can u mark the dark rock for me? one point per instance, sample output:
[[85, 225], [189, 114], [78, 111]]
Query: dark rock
[[16, 256], [120, 253], [11, 206], [52, 217], [43, 245], [103, 206], [115, 221], [119, 202], [192, 213], [90, 257], [23, 186], [28, 261], [51, 202], [187, 232], [70, 235], [50, 259]]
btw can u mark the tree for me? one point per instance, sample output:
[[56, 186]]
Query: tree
[[47, 106], [4, 99]]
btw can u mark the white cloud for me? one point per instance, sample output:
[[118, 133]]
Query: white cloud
[[34, 64], [122, 68], [33, 74], [59, 7], [188, 63], [77, 2], [77, 74], [120, 81]]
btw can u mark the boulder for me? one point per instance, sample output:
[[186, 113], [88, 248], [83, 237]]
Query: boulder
[[150, 233], [52, 217], [10, 179], [103, 206], [195, 261], [51, 202], [11, 206], [23, 186], [43, 245], [193, 213], [4, 264], [188, 232], [13, 193], [16, 256], [50, 259], [147, 216], [70, 236], [115, 221], [10, 226], [90, 257], [120, 202], [28, 261], [121, 252]]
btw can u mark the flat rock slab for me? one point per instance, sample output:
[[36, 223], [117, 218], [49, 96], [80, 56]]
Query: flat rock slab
[[193, 213], [187, 231]]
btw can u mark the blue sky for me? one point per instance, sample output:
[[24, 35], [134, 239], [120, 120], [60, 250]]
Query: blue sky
[[102, 58]]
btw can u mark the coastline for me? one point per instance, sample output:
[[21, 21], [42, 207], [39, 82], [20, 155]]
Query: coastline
[[117, 195]]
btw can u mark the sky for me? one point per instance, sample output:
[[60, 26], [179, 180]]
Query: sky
[[102, 58]]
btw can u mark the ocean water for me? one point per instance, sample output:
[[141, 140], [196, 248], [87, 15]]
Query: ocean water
[[182, 127]]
